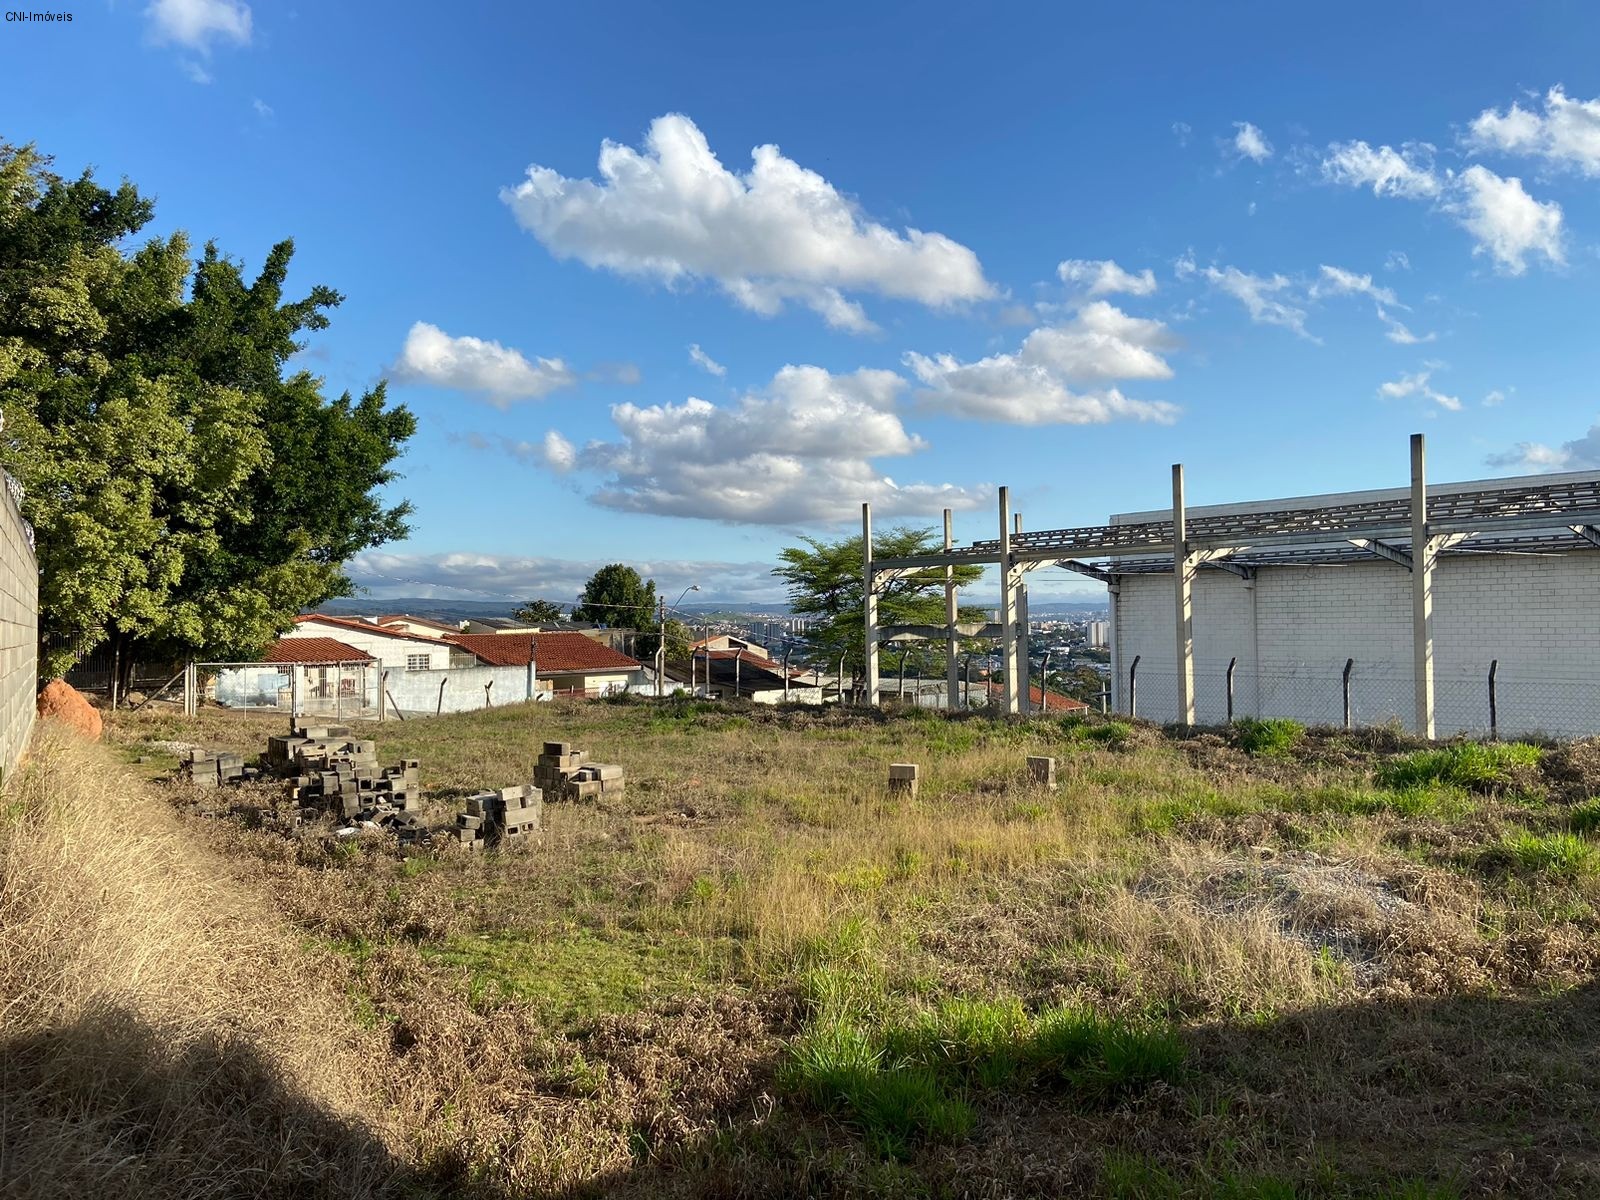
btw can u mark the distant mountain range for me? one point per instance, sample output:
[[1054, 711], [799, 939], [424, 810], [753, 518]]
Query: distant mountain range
[[465, 610]]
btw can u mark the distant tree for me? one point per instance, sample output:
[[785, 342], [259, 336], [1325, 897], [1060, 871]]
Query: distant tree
[[617, 596], [539, 612], [187, 497], [824, 581]]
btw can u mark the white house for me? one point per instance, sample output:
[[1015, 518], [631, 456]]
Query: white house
[[392, 647]]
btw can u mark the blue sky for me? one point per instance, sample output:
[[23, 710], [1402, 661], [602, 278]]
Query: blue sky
[[1052, 247]]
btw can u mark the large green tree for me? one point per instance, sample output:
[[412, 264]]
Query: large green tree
[[189, 493], [537, 612], [616, 595], [824, 581]]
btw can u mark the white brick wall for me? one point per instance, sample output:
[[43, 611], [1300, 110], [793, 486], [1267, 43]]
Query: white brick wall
[[1535, 614], [19, 635]]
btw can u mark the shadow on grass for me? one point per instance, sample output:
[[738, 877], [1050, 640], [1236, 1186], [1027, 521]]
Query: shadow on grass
[[1413, 1099]]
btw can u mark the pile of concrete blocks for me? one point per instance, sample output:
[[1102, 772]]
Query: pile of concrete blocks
[[505, 817], [210, 768], [330, 772], [563, 773]]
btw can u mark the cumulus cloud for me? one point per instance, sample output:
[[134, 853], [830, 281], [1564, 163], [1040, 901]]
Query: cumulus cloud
[[1509, 224], [1249, 142], [1417, 384], [705, 362], [1566, 133], [1269, 299], [797, 452], [199, 23], [1103, 277], [471, 364], [1506, 223], [1407, 172], [516, 578], [1580, 454], [1038, 385], [777, 233]]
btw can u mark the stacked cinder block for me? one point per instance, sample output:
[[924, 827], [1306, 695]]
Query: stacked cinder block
[[334, 773], [563, 773], [497, 818], [209, 768]]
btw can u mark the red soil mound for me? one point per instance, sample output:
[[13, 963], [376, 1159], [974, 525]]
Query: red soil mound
[[66, 704]]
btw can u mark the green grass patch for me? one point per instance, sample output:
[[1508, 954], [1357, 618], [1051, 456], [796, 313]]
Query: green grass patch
[[1274, 737], [574, 977], [1433, 801], [1476, 766], [1555, 855], [1584, 818], [901, 1081]]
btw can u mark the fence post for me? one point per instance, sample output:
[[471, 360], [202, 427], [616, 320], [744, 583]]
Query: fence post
[[486, 687], [188, 690], [383, 691], [1494, 706], [294, 694], [1232, 663], [1349, 665], [338, 693], [439, 708], [1133, 687]]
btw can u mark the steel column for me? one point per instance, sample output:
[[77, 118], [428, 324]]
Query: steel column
[[1421, 592], [1008, 606], [952, 680], [1183, 601], [869, 593]]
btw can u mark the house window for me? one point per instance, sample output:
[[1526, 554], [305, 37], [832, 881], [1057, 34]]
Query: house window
[[417, 662]]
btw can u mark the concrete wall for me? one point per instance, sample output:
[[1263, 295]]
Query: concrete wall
[[418, 691], [1293, 628], [19, 634]]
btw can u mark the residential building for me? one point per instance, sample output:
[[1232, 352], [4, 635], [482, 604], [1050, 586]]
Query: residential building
[[568, 662], [392, 648]]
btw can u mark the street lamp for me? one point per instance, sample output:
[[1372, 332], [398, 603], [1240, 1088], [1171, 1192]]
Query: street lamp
[[661, 650]]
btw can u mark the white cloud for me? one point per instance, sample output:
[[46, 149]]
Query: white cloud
[[1397, 261], [559, 454], [1035, 385], [1580, 454], [1399, 333], [1407, 172], [1249, 142], [263, 109], [516, 578], [1508, 224], [1336, 281], [1505, 222], [1417, 384], [198, 23], [615, 372], [799, 451], [705, 362], [471, 364], [1103, 277], [1269, 299], [1495, 398], [195, 72], [1567, 133], [1182, 130], [775, 234]]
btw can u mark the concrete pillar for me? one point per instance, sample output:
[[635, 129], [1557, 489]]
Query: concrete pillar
[[1421, 592], [869, 593], [1008, 605], [952, 680], [1183, 600], [1024, 663]]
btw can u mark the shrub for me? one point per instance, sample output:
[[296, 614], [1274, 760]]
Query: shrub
[[1274, 736], [1109, 733], [1584, 817]]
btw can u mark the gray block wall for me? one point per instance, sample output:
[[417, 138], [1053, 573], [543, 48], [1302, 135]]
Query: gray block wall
[[19, 634]]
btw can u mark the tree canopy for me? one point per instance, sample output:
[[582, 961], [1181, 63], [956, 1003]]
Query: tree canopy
[[189, 492], [537, 612], [824, 581]]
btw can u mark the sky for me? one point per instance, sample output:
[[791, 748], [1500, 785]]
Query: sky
[[676, 285]]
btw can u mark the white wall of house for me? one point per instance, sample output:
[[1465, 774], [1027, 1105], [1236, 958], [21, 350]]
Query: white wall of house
[[464, 689], [1293, 629], [395, 653], [597, 683]]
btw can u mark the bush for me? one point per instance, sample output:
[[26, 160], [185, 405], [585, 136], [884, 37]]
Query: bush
[[1274, 736], [1584, 817], [1476, 766]]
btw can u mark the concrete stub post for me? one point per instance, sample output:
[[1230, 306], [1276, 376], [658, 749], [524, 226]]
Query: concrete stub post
[[1042, 771], [903, 780]]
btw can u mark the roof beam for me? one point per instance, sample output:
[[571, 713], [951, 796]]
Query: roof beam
[[1383, 550], [1089, 569], [1588, 533]]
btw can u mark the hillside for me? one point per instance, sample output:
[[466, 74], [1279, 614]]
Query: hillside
[[1256, 964]]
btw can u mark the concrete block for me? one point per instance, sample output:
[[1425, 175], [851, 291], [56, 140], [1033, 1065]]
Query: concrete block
[[468, 821], [903, 779], [608, 771], [1042, 771], [557, 749]]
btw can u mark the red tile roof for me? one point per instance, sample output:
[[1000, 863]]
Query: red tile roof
[[360, 626], [1058, 702], [559, 653], [314, 650]]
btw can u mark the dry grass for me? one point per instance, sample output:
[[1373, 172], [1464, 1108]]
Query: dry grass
[[607, 1013]]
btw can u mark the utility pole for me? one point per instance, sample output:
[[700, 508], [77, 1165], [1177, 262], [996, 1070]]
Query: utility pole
[[661, 646]]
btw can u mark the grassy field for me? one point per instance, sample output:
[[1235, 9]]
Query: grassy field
[[1250, 963]]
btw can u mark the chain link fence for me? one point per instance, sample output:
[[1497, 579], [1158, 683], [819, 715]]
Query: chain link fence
[[341, 691], [1487, 699]]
